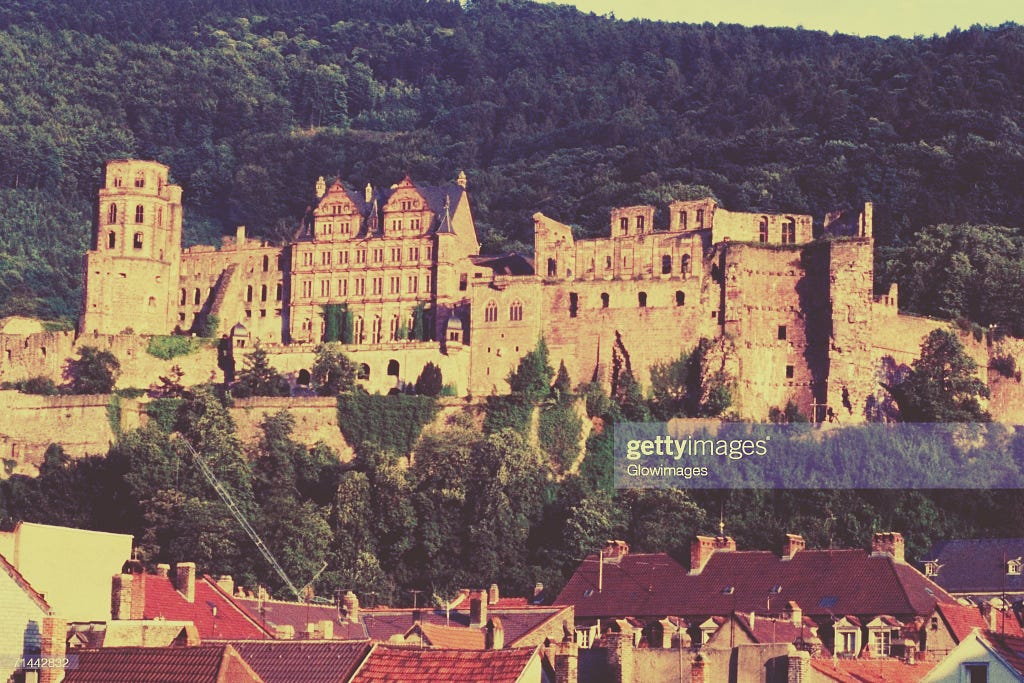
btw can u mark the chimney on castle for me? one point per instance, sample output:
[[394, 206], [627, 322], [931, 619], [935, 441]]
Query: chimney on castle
[[240, 236], [321, 187], [478, 609], [121, 597], [888, 543], [461, 181], [793, 544], [368, 193], [163, 569], [703, 547], [866, 220], [185, 580], [53, 645]]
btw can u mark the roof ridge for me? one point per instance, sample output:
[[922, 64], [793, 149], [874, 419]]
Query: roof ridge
[[234, 605], [26, 585]]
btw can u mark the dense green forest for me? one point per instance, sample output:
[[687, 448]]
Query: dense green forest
[[544, 107]]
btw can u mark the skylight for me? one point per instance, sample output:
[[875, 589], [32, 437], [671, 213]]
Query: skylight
[[828, 601]]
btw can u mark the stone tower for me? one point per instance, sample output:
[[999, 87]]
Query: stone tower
[[132, 271]]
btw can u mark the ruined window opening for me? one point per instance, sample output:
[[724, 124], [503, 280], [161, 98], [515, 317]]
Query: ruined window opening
[[184, 297], [782, 332], [624, 225], [682, 220], [789, 372], [789, 231], [112, 214], [639, 223], [463, 282], [248, 294], [684, 265], [763, 229], [604, 299], [303, 379], [364, 371], [608, 262], [552, 267], [666, 264], [278, 293], [375, 331], [196, 297], [574, 304], [266, 263], [515, 312], [393, 368], [263, 293], [642, 299], [700, 218], [111, 239], [680, 298]]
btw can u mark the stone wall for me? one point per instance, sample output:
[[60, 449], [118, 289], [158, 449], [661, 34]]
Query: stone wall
[[316, 419]]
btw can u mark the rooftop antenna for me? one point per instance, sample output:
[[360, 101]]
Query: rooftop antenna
[[721, 520]]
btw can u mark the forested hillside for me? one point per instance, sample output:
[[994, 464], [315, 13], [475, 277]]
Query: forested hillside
[[544, 107]]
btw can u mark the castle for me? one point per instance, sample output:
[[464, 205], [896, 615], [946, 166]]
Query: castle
[[396, 276]]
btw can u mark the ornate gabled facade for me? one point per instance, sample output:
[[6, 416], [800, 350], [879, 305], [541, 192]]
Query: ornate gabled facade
[[396, 275]]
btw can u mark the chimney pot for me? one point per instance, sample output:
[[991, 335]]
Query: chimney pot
[[493, 595], [703, 547], [888, 543], [185, 580], [350, 603], [793, 544], [163, 569], [226, 583]]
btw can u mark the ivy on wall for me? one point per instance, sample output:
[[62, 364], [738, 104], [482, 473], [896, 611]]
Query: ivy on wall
[[371, 422]]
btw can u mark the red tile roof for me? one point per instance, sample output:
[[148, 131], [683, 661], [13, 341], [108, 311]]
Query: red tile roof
[[1011, 649], [962, 619], [382, 624], [823, 582], [231, 622], [872, 670], [197, 664], [298, 615], [24, 585], [770, 630], [388, 664], [452, 638], [296, 661]]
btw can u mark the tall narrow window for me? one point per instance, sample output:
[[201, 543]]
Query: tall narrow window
[[682, 220], [266, 264], [515, 311], [111, 239], [789, 231], [112, 214], [641, 299], [137, 240], [762, 229], [685, 265], [666, 264], [184, 297], [279, 292], [376, 330], [490, 312], [140, 179], [604, 299], [140, 213], [463, 282], [639, 223], [197, 297], [700, 218], [552, 267], [624, 224], [248, 294], [263, 292], [680, 298], [574, 304]]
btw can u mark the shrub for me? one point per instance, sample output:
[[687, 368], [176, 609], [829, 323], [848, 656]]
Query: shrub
[[93, 372], [43, 386], [166, 347]]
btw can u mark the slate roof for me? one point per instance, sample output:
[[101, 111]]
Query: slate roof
[[823, 582], [159, 665], [511, 263], [389, 664], [382, 624], [977, 565], [296, 661], [435, 196], [1009, 648], [162, 601], [298, 614], [872, 670]]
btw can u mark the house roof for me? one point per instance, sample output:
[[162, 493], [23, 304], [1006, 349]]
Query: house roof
[[389, 664], [161, 665], [871, 670], [1009, 648], [214, 612], [511, 263], [298, 615], [24, 585], [977, 565], [770, 630], [452, 638], [297, 661], [824, 583], [134, 632], [962, 619], [518, 622]]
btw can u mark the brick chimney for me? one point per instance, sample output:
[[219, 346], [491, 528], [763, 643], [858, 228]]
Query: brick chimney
[[697, 670], [703, 547], [350, 603], [614, 551], [121, 597], [566, 661], [888, 543], [478, 609], [793, 544], [163, 569], [619, 648], [185, 580], [226, 583], [799, 667], [54, 646], [495, 638], [493, 595]]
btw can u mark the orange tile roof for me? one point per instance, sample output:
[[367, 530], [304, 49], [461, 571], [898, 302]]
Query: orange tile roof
[[229, 621], [449, 637], [389, 664], [872, 670], [1011, 649], [199, 664], [962, 619]]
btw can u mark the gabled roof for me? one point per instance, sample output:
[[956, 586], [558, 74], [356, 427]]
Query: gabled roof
[[22, 583], [519, 622], [960, 620], [977, 565], [213, 663], [230, 621], [1008, 648], [451, 638], [297, 661], [824, 583], [389, 664], [871, 670], [297, 615], [770, 630]]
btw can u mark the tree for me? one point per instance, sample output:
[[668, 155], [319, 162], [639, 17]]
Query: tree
[[259, 378], [333, 373], [532, 379], [430, 382], [562, 388], [942, 385], [93, 372]]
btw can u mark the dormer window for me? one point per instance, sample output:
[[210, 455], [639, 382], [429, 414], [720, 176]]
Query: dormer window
[[931, 568], [1013, 567]]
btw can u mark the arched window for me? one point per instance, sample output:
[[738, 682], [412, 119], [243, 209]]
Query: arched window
[[248, 294], [685, 265], [111, 239], [515, 311], [112, 214], [666, 264], [641, 299], [604, 299], [137, 240], [763, 229], [363, 372], [358, 335], [393, 329], [789, 231], [393, 368], [196, 298], [140, 179], [303, 379], [490, 312], [376, 330], [140, 213], [680, 298]]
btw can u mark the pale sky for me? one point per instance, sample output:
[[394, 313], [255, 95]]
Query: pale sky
[[865, 17]]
